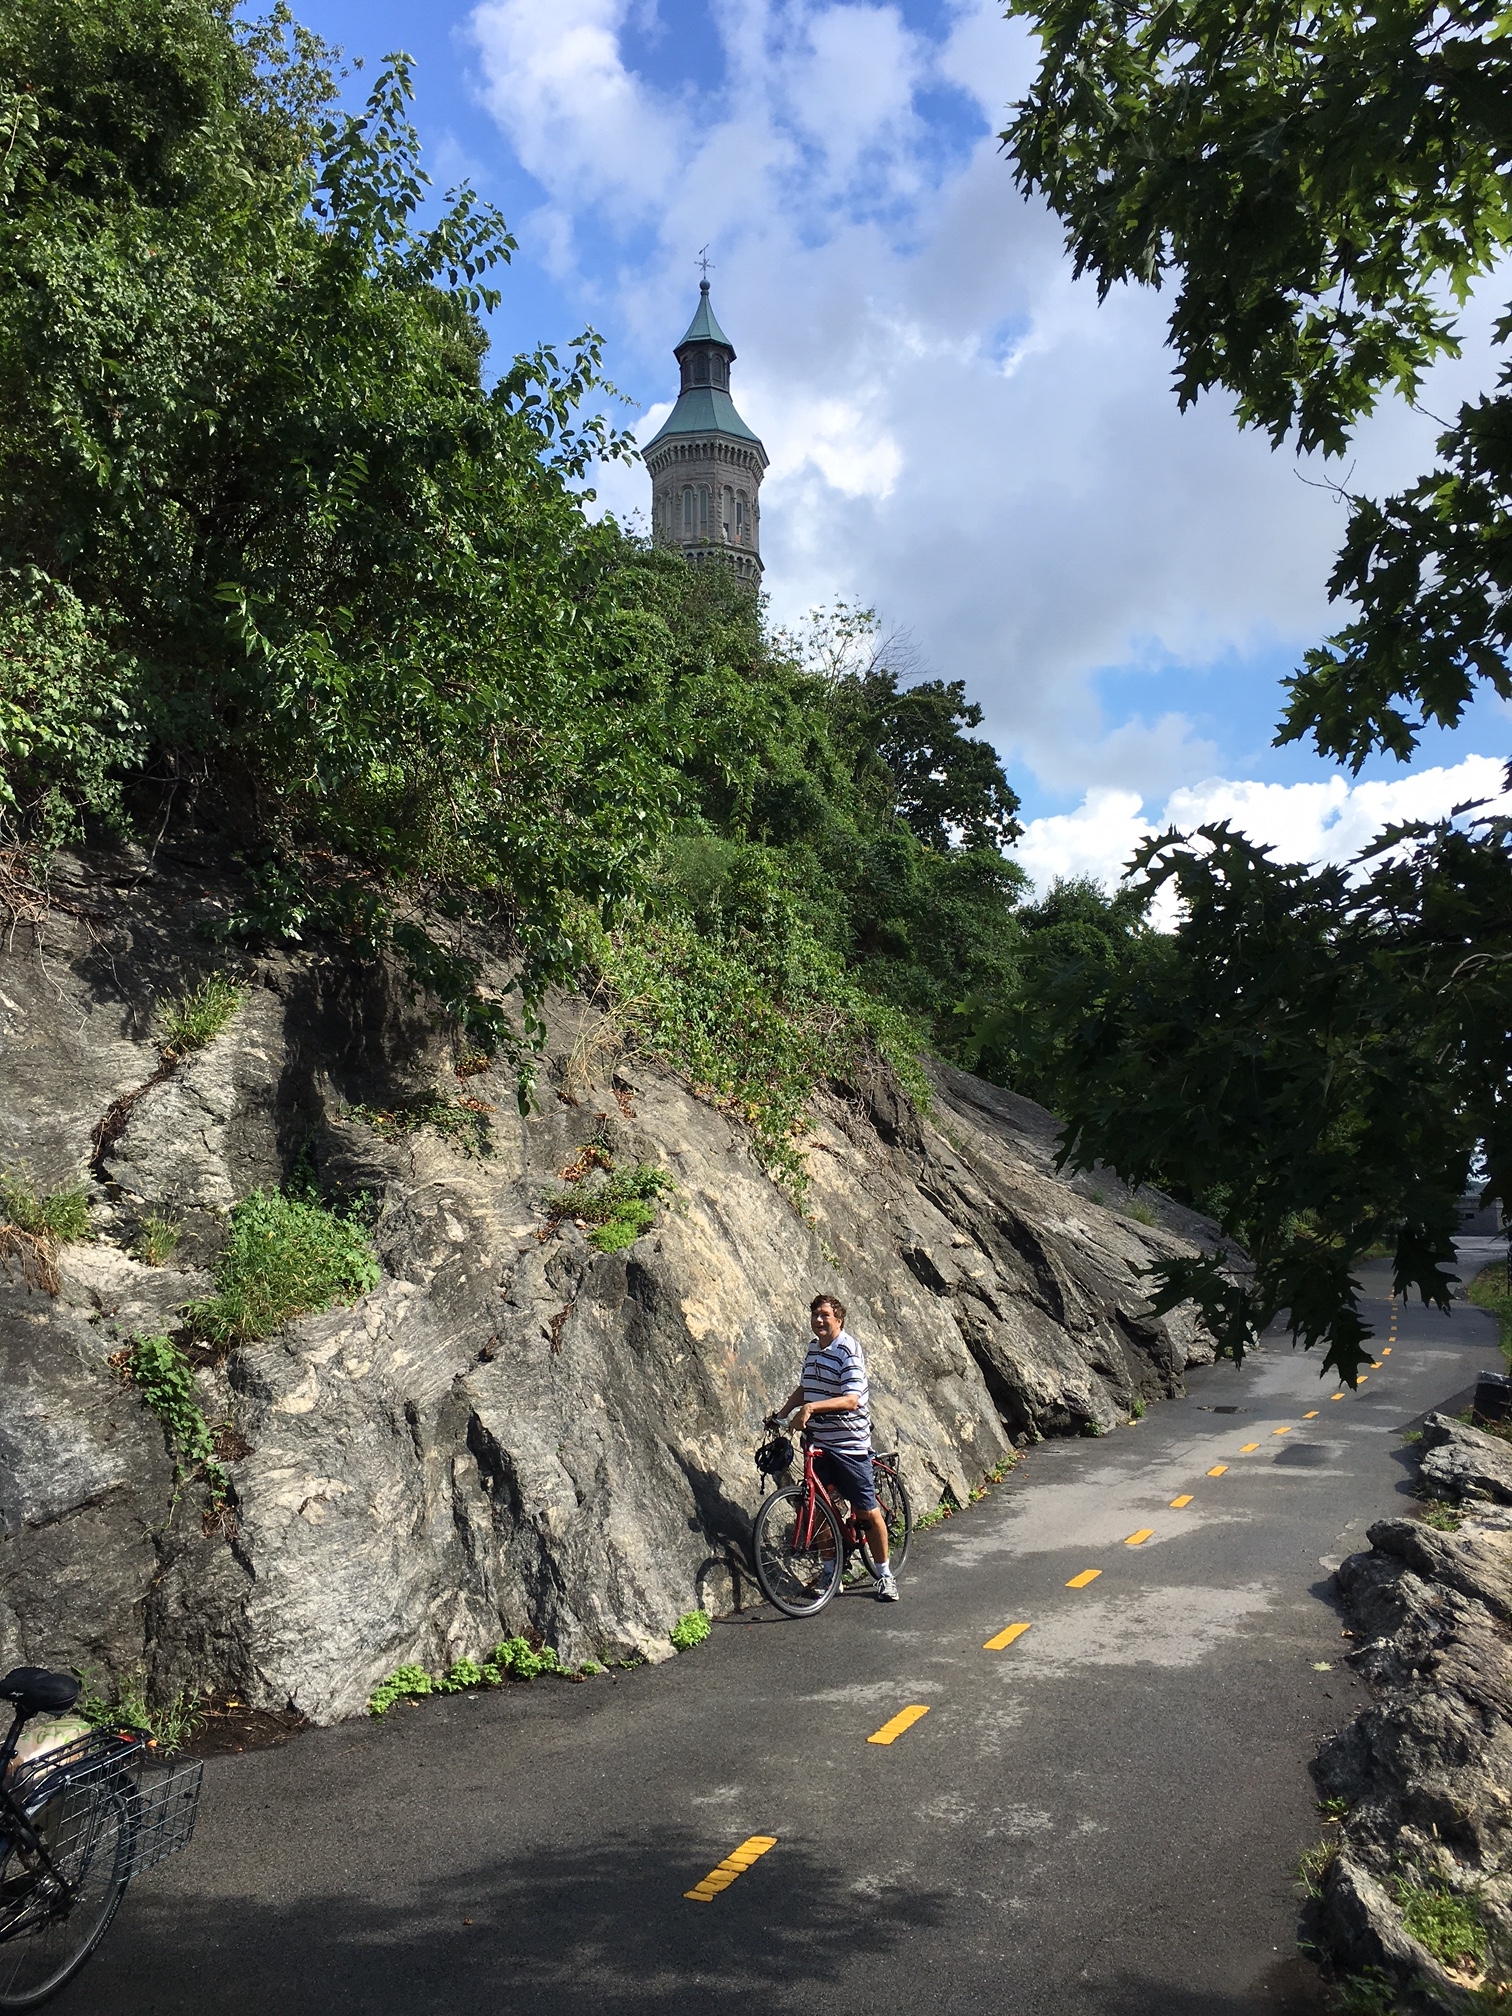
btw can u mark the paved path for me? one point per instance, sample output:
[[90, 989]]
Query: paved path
[[1104, 1816]]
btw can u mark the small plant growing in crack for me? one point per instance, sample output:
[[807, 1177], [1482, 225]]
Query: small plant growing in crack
[[169, 1723], [155, 1240], [165, 1379], [1446, 1924], [691, 1629], [34, 1223], [286, 1257], [617, 1211], [463, 1121], [192, 1020]]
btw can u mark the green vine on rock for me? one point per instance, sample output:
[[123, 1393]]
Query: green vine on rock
[[165, 1379]]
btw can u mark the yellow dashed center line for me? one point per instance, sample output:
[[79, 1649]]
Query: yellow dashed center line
[[1177, 1503], [1280, 1431], [891, 1731], [1005, 1638], [1087, 1575], [732, 1866], [1362, 1378], [1248, 1446], [1217, 1469], [1311, 1417], [1336, 1396], [1138, 1539]]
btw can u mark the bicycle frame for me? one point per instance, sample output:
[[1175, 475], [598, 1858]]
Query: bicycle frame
[[15, 1825], [813, 1493]]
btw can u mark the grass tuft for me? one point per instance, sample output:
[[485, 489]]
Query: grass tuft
[[194, 1019], [1446, 1924], [169, 1723], [57, 1216], [286, 1257], [462, 1121], [155, 1240]]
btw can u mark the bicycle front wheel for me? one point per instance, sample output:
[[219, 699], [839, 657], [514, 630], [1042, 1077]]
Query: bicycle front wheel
[[898, 1513], [44, 1939], [798, 1579]]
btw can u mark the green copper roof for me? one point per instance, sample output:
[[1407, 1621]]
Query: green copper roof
[[704, 328], [705, 410]]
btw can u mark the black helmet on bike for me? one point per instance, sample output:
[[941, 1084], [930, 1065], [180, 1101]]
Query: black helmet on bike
[[774, 1456]]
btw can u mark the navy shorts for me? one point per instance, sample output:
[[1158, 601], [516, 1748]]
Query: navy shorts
[[848, 1477]]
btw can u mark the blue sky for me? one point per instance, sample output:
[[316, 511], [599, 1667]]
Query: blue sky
[[960, 435]]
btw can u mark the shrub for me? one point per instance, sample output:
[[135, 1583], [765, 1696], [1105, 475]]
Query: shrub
[[621, 1208], [286, 1256], [1489, 1291], [690, 1629], [194, 1019]]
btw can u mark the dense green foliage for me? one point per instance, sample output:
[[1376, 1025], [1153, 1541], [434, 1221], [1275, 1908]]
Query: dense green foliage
[[1321, 1058], [1322, 185], [278, 556], [285, 1256]]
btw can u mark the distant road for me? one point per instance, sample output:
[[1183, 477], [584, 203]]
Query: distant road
[[1104, 1816]]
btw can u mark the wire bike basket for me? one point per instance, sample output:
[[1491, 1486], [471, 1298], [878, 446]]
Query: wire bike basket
[[78, 1791]]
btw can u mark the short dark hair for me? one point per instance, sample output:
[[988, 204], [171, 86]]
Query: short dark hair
[[829, 1302]]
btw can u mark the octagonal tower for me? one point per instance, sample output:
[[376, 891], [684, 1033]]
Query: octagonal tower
[[706, 465]]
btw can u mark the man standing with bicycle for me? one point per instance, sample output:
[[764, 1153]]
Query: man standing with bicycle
[[833, 1409]]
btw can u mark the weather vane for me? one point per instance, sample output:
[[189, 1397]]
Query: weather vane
[[703, 262]]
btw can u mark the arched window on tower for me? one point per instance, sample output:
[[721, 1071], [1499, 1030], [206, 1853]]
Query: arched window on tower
[[689, 511], [701, 368], [740, 517]]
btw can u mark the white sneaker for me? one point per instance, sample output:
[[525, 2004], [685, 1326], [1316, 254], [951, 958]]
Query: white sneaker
[[887, 1587]]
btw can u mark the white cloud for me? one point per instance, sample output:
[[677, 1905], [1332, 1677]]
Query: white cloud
[[960, 434], [1327, 821]]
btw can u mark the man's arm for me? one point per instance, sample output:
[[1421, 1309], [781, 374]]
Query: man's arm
[[844, 1403]]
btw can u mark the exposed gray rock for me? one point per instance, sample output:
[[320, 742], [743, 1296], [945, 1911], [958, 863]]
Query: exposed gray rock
[[514, 1430], [1425, 1771], [1460, 1462]]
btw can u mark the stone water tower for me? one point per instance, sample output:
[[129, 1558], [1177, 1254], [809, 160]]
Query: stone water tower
[[706, 465]]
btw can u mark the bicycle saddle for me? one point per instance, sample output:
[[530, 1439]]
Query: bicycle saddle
[[35, 1691]]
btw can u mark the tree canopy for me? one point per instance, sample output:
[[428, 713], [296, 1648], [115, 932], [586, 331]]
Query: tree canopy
[[283, 554], [1322, 1058]]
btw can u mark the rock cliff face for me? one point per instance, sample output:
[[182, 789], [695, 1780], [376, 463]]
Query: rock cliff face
[[514, 1430], [1424, 1771]]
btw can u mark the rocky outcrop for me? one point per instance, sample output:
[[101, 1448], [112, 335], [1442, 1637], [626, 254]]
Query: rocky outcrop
[[1423, 1775], [514, 1430]]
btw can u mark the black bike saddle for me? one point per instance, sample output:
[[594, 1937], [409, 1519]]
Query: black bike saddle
[[37, 1692]]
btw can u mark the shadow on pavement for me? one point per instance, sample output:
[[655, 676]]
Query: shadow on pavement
[[1291, 1988], [606, 1929]]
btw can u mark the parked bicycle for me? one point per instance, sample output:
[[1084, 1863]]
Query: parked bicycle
[[805, 1538], [77, 1822]]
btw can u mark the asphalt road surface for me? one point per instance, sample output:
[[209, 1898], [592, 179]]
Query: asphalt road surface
[[1104, 1815]]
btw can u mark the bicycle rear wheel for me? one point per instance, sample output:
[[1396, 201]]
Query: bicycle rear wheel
[[896, 1509], [798, 1579], [87, 1833]]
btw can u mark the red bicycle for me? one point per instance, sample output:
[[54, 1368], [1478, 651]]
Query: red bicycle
[[805, 1537]]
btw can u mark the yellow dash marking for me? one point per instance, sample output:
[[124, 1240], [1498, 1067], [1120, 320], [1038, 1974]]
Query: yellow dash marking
[[1336, 1396], [1280, 1431], [1087, 1575], [1217, 1469], [1362, 1378], [1177, 1503], [1247, 1448], [732, 1866], [1311, 1417], [891, 1731], [1005, 1638], [1375, 1364], [1138, 1539], [1387, 1352]]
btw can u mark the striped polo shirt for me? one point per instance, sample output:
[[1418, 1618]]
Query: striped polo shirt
[[828, 1371]]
